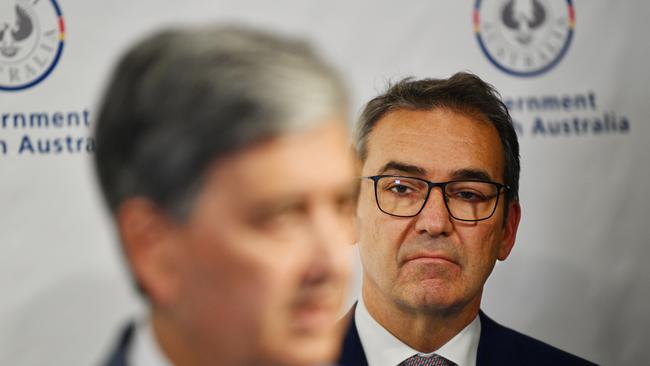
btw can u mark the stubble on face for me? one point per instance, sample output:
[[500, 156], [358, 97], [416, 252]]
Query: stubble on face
[[429, 263]]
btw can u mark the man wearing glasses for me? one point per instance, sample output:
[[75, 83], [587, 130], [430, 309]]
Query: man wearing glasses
[[438, 206]]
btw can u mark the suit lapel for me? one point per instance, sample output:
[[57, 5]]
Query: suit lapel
[[352, 352], [493, 347], [118, 356]]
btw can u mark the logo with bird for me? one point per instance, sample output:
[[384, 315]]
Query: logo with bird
[[31, 42], [524, 37]]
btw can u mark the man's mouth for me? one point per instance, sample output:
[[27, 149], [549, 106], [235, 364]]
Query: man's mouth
[[430, 257], [315, 313]]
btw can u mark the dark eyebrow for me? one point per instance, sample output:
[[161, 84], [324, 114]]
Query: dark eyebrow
[[472, 174], [403, 168]]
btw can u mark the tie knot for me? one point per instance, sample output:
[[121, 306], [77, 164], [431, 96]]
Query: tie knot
[[434, 360]]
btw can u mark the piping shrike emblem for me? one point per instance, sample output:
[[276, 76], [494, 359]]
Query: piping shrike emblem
[[31, 42], [524, 37]]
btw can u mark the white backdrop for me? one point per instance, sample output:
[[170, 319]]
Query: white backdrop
[[578, 277]]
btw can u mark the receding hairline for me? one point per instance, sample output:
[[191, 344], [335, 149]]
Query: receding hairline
[[363, 141]]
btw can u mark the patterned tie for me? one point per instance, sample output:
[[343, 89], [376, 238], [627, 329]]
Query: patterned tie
[[434, 360]]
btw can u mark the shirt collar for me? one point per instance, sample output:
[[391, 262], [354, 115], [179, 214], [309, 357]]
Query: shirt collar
[[384, 349], [145, 351]]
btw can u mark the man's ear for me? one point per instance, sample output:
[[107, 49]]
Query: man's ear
[[149, 237], [509, 230]]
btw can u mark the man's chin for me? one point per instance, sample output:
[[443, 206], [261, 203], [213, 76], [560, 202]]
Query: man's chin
[[430, 296]]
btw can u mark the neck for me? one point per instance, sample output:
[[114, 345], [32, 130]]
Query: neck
[[425, 330]]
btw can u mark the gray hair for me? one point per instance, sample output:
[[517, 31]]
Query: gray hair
[[180, 99]]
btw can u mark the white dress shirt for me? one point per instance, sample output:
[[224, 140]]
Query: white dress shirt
[[145, 351], [384, 349]]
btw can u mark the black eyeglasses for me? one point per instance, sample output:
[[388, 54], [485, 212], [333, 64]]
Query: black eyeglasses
[[466, 200]]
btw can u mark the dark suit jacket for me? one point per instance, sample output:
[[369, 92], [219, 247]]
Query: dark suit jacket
[[498, 346], [118, 355]]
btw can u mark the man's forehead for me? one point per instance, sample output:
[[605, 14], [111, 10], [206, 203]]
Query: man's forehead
[[454, 123], [437, 142]]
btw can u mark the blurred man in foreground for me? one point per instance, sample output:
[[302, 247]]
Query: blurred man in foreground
[[438, 206], [224, 157]]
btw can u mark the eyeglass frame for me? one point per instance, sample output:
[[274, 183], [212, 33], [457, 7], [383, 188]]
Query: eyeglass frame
[[501, 188]]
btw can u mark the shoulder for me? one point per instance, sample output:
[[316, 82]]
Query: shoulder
[[118, 355], [500, 345]]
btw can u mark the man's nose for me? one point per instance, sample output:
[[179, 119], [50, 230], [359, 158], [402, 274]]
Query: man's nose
[[332, 236], [434, 219]]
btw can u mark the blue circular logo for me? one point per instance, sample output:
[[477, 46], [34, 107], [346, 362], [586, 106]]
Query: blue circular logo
[[32, 35], [524, 37]]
